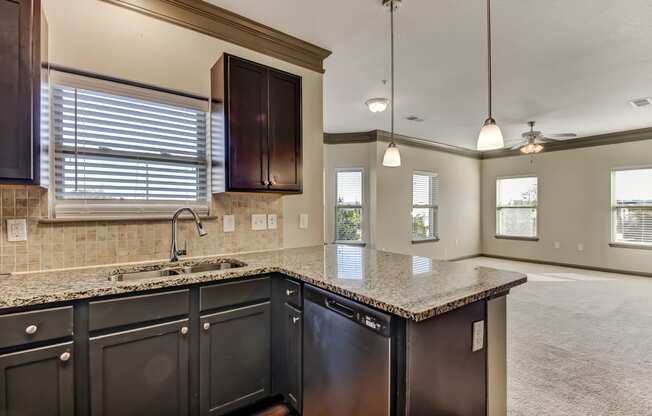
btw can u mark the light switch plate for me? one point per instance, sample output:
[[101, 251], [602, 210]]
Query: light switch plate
[[478, 335], [303, 221], [17, 230], [258, 222], [272, 221], [229, 223], [580, 247], [557, 244]]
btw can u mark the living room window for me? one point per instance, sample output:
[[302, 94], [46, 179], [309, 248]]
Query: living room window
[[348, 205], [631, 206], [425, 206], [125, 151], [517, 207]]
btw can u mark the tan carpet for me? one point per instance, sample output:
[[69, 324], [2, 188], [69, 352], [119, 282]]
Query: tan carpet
[[579, 342]]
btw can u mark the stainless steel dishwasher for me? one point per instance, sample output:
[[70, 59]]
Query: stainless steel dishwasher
[[347, 357]]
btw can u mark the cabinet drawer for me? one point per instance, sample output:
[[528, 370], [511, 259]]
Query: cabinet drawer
[[227, 294], [292, 293], [135, 309], [25, 327]]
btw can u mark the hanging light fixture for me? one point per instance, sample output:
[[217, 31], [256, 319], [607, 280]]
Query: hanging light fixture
[[490, 135], [392, 156]]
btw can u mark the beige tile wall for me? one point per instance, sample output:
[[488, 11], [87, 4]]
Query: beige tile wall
[[74, 244]]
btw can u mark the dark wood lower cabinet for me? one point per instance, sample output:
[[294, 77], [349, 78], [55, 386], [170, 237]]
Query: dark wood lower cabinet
[[293, 357], [142, 371], [37, 382], [235, 352]]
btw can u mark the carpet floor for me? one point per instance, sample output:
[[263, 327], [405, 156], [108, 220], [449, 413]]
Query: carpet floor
[[578, 342]]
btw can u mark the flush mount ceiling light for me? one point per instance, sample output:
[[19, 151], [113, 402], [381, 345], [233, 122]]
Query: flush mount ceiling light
[[377, 105], [490, 135], [392, 156]]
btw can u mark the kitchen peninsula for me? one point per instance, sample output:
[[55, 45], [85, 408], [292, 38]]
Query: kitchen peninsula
[[405, 334]]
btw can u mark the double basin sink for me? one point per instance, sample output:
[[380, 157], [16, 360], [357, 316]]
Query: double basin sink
[[163, 270]]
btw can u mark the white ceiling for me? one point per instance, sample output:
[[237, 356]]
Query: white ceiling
[[571, 65]]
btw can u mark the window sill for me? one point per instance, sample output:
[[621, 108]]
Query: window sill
[[514, 237], [426, 240], [351, 243], [633, 246], [184, 217]]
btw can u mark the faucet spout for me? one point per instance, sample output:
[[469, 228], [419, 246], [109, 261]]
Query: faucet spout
[[174, 251]]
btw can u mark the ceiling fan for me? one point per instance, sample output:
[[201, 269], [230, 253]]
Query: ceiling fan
[[533, 140]]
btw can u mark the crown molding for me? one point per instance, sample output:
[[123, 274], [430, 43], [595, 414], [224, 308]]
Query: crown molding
[[570, 144], [220, 23], [580, 142], [385, 136]]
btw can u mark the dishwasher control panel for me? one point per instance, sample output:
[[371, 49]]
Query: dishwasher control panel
[[371, 322]]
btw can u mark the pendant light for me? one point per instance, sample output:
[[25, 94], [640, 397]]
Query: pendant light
[[490, 135], [392, 156]]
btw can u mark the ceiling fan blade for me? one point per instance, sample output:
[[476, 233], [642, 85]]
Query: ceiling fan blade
[[517, 146], [547, 140], [562, 136]]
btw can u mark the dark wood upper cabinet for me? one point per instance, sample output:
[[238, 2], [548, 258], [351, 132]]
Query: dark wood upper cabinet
[[20, 79], [256, 130]]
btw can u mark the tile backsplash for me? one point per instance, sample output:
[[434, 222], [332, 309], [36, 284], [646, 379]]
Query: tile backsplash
[[89, 243]]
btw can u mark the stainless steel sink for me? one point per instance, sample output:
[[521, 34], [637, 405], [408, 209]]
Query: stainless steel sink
[[166, 271]]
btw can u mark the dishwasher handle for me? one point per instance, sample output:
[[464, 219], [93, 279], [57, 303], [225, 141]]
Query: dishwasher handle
[[339, 308]]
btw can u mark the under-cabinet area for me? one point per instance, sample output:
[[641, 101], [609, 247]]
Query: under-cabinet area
[[231, 347]]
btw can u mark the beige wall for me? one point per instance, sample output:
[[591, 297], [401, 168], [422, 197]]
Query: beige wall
[[388, 193], [574, 206], [95, 36]]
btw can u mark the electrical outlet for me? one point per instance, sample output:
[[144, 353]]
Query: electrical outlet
[[272, 221], [580, 247], [557, 244], [17, 230], [228, 223], [478, 335], [258, 222], [303, 221]]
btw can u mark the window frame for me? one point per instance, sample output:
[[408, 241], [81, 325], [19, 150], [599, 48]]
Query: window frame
[[614, 209], [73, 209], [337, 207], [498, 235], [434, 208]]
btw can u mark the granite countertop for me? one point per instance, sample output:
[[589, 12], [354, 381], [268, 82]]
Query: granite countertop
[[411, 287]]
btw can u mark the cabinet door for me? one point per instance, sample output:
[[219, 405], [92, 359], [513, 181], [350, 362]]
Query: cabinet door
[[235, 358], [293, 337], [19, 80], [37, 382], [247, 125], [284, 131], [139, 372]]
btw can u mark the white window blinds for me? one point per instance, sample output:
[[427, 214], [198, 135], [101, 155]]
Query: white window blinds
[[425, 205], [632, 206], [121, 150], [516, 207], [348, 205]]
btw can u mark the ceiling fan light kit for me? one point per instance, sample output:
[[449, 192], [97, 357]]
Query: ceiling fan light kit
[[392, 156], [490, 137]]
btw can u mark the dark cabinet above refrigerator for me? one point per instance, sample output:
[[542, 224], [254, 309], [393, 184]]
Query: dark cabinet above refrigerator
[[256, 129]]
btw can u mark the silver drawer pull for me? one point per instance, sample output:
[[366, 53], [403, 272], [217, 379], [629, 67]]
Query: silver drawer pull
[[295, 319], [290, 292], [207, 326], [64, 357], [184, 330], [31, 330]]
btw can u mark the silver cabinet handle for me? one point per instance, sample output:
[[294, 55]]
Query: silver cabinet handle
[[295, 319], [184, 330], [290, 292], [64, 357], [31, 330], [207, 326]]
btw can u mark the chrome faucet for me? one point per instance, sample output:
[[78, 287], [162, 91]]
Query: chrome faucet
[[174, 251]]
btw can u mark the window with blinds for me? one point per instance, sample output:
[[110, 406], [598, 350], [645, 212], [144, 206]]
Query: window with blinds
[[632, 206], [517, 207], [126, 151], [348, 205], [425, 205]]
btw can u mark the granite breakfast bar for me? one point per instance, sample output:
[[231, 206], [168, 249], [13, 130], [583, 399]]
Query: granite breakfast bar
[[436, 363]]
